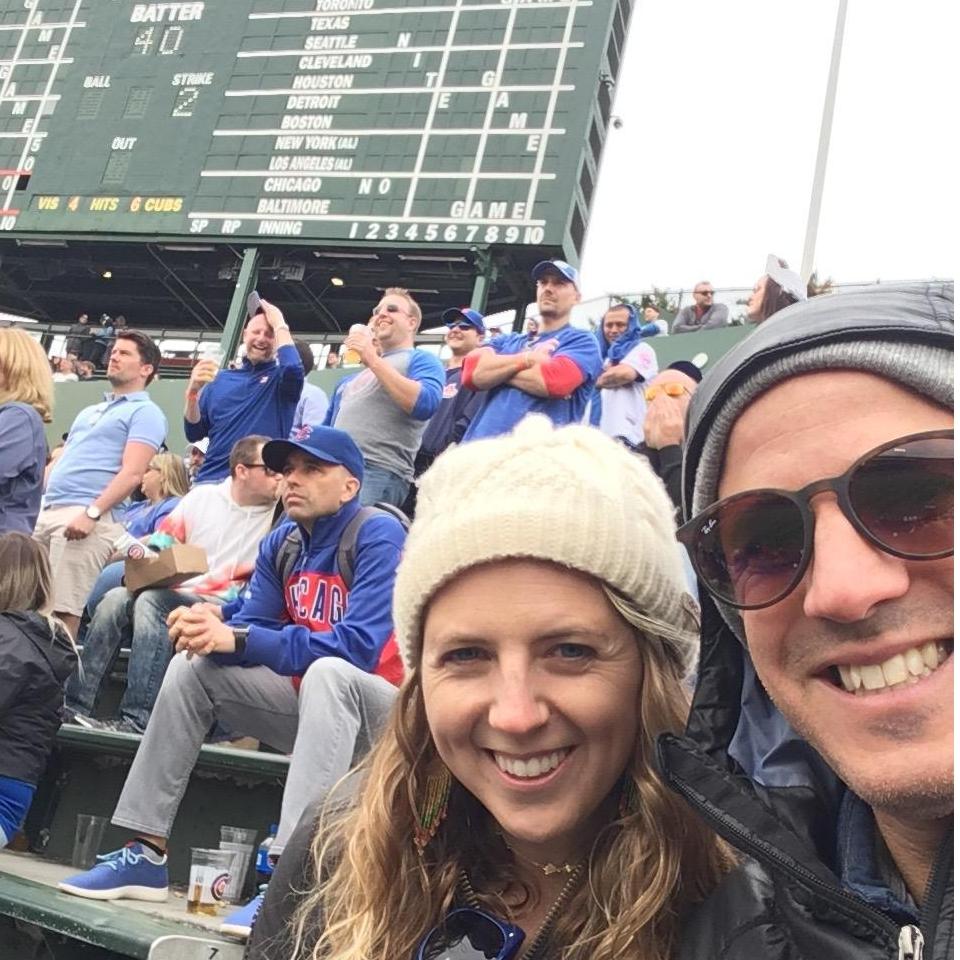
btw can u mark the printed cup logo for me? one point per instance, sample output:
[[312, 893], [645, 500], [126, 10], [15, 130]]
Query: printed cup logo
[[130, 547], [219, 886], [208, 888]]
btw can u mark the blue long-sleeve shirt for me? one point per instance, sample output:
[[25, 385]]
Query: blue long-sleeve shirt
[[335, 399], [258, 398], [313, 615]]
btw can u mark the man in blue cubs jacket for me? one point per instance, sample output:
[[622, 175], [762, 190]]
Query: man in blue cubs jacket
[[286, 656]]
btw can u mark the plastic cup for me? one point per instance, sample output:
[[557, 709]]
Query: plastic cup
[[211, 353], [87, 839], [209, 879], [241, 842], [349, 357]]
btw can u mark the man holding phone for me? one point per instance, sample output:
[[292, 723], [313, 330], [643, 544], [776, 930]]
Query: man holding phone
[[260, 397]]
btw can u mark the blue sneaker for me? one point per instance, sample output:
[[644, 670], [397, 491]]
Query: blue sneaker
[[240, 922], [125, 873]]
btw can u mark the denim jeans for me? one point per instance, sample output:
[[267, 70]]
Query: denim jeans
[[381, 485], [141, 623], [110, 576]]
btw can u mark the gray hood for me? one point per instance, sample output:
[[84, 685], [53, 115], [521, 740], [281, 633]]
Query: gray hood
[[904, 333]]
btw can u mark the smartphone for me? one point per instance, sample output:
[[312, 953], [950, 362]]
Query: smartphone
[[253, 304]]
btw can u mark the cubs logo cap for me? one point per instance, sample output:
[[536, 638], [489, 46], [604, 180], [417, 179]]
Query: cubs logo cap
[[323, 443]]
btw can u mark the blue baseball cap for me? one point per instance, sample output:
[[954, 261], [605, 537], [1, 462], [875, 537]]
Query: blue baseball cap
[[561, 267], [324, 443], [459, 314]]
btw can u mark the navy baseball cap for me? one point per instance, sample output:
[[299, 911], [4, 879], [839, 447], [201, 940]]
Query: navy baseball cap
[[324, 443], [459, 314], [561, 266]]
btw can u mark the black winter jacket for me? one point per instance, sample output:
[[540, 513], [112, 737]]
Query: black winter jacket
[[786, 902], [34, 666]]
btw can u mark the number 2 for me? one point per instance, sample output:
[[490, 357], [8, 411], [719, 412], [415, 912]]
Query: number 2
[[186, 98]]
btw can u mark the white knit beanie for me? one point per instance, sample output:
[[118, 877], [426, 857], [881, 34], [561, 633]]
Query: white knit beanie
[[571, 496]]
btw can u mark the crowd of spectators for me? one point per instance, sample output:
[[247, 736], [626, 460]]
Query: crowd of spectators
[[516, 774]]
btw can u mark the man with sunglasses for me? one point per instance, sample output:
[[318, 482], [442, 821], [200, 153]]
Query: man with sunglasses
[[551, 373], [465, 332], [228, 520], [703, 313], [818, 476], [668, 397], [385, 408]]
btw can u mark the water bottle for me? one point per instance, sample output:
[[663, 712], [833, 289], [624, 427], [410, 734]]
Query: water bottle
[[264, 866], [130, 548]]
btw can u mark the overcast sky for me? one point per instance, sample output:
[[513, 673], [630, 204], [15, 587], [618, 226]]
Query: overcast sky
[[721, 103]]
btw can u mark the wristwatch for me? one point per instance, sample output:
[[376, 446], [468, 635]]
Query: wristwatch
[[94, 513], [240, 635]]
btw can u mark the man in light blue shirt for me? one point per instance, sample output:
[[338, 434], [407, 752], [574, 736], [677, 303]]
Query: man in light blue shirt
[[104, 459]]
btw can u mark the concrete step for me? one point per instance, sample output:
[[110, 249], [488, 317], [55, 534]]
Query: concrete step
[[126, 928]]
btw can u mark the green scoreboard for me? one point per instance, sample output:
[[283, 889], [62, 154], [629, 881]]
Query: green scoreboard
[[422, 122]]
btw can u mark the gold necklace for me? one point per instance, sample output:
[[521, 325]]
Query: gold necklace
[[547, 869]]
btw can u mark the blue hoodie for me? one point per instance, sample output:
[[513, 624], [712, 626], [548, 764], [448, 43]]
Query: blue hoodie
[[616, 351], [312, 615]]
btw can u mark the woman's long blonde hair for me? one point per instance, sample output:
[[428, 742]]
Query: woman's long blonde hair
[[26, 581], [25, 372], [376, 898], [174, 480]]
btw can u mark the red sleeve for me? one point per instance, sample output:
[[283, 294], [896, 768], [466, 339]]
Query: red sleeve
[[466, 370], [561, 376]]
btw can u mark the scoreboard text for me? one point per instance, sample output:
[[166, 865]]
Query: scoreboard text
[[414, 121]]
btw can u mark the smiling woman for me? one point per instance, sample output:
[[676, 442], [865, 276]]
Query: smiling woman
[[512, 808]]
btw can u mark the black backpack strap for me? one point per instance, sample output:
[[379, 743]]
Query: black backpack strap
[[347, 551], [286, 558]]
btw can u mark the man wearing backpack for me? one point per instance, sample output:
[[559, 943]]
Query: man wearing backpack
[[308, 647]]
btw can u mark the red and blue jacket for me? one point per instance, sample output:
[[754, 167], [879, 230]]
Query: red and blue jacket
[[312, 614]]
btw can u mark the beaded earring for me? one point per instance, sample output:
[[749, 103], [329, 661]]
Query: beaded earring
[[433, 806]]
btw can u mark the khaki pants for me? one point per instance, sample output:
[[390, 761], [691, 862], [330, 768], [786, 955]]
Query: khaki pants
[[75, 564]]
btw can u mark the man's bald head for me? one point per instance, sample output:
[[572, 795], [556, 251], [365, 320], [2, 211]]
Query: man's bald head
[[674, 376]]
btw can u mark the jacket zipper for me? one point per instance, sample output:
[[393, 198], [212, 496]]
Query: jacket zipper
[[811, 880], [936, 887]]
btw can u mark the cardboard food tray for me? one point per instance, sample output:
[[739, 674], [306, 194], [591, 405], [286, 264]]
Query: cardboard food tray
[[173, 566]]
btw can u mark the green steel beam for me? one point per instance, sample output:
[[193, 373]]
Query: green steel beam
[[237, 315], [485, 278]]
